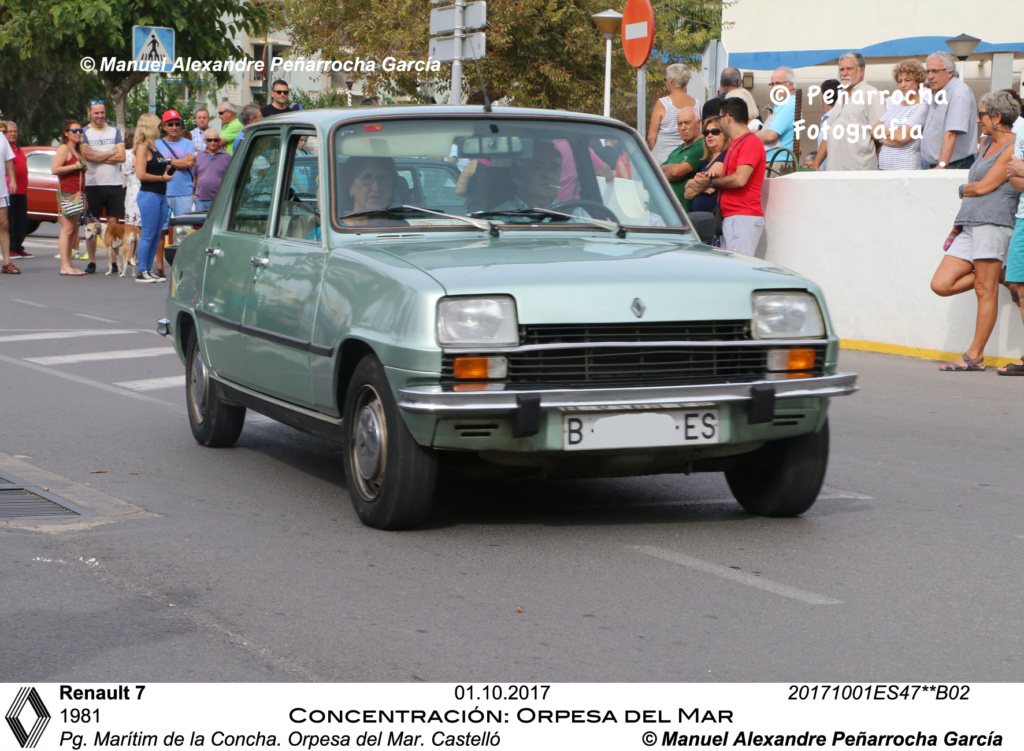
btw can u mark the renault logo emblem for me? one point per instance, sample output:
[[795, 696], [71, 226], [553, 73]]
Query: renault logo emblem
[[638, 308]]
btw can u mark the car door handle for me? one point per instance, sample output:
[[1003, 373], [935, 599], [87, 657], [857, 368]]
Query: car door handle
[[214, 252], [260, 263]]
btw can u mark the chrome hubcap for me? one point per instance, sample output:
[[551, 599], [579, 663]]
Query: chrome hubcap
[[369, 443], [198, 385]]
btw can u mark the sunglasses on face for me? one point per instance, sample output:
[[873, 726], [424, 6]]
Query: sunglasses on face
[[213, 140], [221, 112], [712, 132], [280, 91], [173, 125], [74, 130]]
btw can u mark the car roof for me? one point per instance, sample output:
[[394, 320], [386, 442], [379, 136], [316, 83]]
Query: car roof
[[326, 119]]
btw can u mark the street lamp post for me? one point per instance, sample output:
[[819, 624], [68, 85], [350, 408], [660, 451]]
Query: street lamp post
[[962, 46], [608, 23]]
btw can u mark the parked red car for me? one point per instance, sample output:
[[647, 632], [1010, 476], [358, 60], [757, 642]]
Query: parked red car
[[42, 186]]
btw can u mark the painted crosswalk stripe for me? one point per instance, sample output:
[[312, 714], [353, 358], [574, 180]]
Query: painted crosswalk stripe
[[94, 318], [71, 334], [28, 302], [154, 384], [121, 354], [751, 580]]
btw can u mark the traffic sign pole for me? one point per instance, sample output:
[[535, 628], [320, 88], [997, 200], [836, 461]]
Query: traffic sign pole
[[460, 32], [637, 43]]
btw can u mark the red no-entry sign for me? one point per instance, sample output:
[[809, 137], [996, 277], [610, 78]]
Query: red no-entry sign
[[637, 31]]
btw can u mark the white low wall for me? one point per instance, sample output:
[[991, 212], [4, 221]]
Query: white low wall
[[873, 240]]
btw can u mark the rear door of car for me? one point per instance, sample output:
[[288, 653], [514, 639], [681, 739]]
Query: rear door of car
[[42, 186], [238, 236], [280, 311]]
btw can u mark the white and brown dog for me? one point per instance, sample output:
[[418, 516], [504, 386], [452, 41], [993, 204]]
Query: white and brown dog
[[120, 239]]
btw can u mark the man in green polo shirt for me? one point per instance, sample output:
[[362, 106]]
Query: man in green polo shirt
[[231, 125], [688, 158]]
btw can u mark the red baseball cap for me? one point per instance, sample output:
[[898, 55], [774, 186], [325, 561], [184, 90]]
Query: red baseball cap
[[171, 115]]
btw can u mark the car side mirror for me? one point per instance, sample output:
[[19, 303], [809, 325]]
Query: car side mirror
[[705, 223]]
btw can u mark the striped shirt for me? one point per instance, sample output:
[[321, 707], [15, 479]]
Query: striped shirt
[[907, 156]]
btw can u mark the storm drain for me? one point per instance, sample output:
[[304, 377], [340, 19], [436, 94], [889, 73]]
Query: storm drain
[[20, 502]]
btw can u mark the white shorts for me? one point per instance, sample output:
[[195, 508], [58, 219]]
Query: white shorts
[[983, 242], [5, 201], [742, 233]]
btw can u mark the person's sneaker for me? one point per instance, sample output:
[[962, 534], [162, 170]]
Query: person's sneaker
[[21, 254], [113, 268], [145, 278], [160, 276], [90, 268]]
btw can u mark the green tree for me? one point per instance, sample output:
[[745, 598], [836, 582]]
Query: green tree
[[61, 32]]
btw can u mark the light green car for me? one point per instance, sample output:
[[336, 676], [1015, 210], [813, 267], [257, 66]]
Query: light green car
[[510, 293]]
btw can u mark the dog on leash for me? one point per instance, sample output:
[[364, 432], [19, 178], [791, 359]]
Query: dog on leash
[[120, 239]]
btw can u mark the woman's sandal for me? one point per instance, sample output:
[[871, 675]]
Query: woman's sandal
[[10, 268], [1013, 369], [976, 365]]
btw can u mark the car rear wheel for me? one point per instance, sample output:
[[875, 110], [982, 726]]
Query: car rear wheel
[[782, 478], [391, 478], [214, 423]]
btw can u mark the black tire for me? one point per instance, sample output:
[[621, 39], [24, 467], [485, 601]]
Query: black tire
[[214, 423], [782, 478], [32, 226], [391, 478]]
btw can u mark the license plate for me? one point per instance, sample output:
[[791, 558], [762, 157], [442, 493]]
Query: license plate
[[626, 430]]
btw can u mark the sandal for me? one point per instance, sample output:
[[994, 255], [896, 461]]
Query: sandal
[[10, 268], [953, 366], [1013, 369]]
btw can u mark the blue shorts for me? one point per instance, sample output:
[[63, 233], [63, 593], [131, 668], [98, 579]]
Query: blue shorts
[[1015, 255]]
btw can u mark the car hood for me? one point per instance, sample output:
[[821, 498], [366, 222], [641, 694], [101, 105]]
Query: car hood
[[596, 279]]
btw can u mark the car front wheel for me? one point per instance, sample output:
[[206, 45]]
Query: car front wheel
[[784, 477], [214, 423], [390, 477]]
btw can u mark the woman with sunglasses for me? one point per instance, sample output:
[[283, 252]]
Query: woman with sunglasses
[[715, 144], [69, 166]]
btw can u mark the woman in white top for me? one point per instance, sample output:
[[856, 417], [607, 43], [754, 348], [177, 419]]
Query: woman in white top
[[131, 181], [900, 150], [663, 135]]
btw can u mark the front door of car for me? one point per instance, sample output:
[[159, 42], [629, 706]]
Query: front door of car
[[235, 240], [280, 311]]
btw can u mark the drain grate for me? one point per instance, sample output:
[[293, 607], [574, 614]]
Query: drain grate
[[20, 502]]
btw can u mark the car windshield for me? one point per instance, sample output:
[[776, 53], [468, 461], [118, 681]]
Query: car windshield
[[508, 171]]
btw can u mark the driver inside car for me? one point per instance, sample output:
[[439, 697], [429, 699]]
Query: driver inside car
[[368, 184]]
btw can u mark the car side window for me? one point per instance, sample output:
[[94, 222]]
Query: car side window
[[255, 184], [299, 209]]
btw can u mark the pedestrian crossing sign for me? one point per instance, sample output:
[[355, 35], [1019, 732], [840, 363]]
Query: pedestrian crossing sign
[[153, 47]]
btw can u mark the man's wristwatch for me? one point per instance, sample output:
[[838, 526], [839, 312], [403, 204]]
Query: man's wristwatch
[[941, 164]]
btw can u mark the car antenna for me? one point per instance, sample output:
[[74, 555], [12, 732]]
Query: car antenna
[[483, 89]]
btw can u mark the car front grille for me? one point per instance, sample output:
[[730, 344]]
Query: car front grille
[[646, 354]]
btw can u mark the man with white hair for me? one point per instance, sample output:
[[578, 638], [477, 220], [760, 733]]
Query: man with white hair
[[859, 105], [950, 135], [687, 158], [777, 133], [231, 125]]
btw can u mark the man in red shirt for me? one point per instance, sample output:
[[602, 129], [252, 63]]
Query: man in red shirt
[[18, 212], [740, 181]]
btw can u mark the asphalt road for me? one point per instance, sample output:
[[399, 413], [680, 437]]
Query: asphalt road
[[249, 564]]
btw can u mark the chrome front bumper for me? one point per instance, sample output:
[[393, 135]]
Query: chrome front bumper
[[434, 400]]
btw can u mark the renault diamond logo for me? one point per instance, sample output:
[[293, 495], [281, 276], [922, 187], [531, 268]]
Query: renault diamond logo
[[638, 308], [28, 738]]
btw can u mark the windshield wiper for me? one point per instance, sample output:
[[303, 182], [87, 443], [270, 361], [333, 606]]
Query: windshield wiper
[[407, 209], [615, 227]]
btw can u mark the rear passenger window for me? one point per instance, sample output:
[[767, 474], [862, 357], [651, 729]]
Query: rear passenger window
[[299, 208], [254, 187]]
